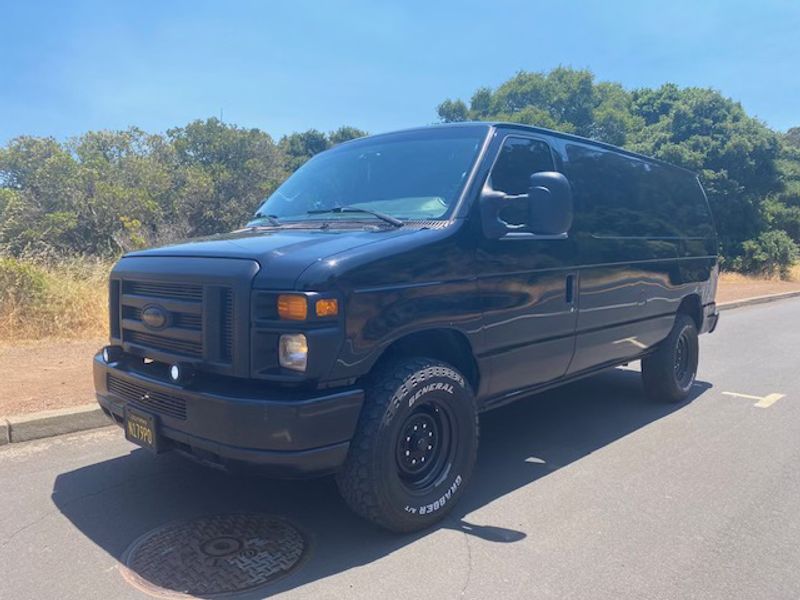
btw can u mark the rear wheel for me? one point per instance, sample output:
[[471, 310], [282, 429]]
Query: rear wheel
[[669, 372], [415, 445]]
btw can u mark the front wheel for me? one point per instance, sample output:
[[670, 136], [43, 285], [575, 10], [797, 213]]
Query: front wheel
[[415, 446], [669, 372]]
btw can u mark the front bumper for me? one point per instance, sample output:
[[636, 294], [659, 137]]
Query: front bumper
[[710, 318], [292, 433]]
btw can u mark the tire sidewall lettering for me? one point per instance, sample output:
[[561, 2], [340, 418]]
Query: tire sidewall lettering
[[408, 393], [437, 504]]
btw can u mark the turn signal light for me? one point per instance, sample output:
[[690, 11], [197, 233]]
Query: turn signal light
[[292, 307], [327, 307]]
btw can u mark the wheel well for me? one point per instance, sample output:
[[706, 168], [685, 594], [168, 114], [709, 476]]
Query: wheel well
[[692, 306], [447, 345]]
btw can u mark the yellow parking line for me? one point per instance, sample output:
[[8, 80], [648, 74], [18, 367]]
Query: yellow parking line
[[762, 401], [737, 395], [768, 401]]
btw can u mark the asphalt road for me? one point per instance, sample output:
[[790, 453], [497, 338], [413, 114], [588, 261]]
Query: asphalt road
[[589, 491]]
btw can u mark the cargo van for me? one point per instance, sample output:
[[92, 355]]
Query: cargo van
[[396, 286]]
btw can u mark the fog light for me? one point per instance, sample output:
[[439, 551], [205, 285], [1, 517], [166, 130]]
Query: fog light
[[111, 354], [293, 351], [179, 373]]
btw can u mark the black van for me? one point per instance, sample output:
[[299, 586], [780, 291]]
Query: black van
[[396, 286]]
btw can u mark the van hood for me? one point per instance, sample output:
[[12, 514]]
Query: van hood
[[282, 253]]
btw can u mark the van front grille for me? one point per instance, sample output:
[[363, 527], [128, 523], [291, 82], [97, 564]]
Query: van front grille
[[181, 320], [184, 321], [158, 289], [157, 402], [226, 326], [165, 344]]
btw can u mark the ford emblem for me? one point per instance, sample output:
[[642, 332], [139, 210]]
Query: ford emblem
[[154, 317]]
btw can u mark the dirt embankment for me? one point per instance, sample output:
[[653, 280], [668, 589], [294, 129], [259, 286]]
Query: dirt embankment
[[733, 286], [46, 374]]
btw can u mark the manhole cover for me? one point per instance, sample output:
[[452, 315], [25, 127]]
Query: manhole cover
[[211, 556]]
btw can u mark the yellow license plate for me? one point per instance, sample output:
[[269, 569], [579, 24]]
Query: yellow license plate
[[140, 428]]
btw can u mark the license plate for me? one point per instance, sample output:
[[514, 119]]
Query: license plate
[[140, 428]]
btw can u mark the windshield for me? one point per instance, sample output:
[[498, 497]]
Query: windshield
[[408, 175]]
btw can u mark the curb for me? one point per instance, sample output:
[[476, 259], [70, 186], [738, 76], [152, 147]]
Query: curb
[[48, 423], [757, 300]]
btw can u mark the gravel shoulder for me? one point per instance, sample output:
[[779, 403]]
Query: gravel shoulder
[[41, 375]]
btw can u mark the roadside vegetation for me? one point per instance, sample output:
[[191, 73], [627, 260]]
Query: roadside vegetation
[[732, 278], [64, 299], [69, 208]]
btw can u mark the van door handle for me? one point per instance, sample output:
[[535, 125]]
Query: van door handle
[[570, 289]]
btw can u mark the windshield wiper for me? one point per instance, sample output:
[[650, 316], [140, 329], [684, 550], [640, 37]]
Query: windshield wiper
[[273, 220], [355, 209]]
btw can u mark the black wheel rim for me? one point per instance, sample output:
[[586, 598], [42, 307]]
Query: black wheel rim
[[683, 361], [425, 445]]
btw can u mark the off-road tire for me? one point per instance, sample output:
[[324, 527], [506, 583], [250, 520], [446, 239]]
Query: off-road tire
[[669, 373], [404, 401]]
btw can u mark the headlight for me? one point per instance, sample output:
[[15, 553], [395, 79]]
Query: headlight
[[293, 351]]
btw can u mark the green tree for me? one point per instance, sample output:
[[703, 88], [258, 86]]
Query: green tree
[[741, 162], [299, 147], [42, 198], [234, 167], [107, 192], [453, 111], [771, 253], [127, 188], [564, 99], [793, 137], [735, 155], [345, 133], [652, 104], [782, 210]]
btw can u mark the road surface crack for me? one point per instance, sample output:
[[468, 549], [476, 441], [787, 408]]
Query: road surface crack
[[469, 563]]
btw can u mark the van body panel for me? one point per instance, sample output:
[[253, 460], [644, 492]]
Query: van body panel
[[394, 289], [528, 318], [644, 241]]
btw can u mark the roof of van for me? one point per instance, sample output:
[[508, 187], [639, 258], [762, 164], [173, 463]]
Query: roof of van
[[543, 130]]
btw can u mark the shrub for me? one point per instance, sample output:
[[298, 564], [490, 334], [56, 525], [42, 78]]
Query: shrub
[[773, 252], [20, 283]]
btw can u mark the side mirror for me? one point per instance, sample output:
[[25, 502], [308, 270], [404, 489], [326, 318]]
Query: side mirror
[[549, 207], [549, 204]]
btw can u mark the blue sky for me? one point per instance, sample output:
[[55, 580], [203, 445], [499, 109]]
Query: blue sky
[[66, 67]]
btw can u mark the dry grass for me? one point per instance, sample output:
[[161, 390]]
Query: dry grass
[[732, 277], [66, 299]]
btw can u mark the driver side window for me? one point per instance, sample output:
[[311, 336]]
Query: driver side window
[[519, 159]]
